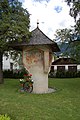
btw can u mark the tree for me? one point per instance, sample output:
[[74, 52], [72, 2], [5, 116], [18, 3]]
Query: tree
[[75, 13], [73, 42], [14, 26], [63, 35], [74, 51]]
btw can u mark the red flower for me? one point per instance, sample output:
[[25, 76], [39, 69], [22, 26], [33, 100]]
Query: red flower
[[30, 74], [25, 75]]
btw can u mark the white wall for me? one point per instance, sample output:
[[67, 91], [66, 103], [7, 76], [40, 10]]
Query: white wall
[[6, 63], [66, 67], [78, 67]]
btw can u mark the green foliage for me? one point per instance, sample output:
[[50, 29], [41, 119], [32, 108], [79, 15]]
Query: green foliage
[[14, 74], [60, 74], [74, 50], [14, 23], [7, 74], [78, 74], [75, 13], [64, 35], [4, 117], [14, 26], [68, 35], [64, 74]]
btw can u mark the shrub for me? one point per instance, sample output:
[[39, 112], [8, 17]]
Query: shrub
[[51, 75], [60, 74], [8, 74], [78, 74], [66, 74], [14, 74], [70, 74], [4, 117]]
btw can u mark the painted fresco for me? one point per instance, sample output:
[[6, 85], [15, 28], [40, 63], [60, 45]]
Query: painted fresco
[[33, 57]]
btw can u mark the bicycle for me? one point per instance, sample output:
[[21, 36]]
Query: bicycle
[[27, 85]]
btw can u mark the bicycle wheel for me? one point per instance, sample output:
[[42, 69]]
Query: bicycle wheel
[[28, 87]]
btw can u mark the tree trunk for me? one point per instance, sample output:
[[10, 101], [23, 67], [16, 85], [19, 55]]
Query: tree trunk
[[1, 72]]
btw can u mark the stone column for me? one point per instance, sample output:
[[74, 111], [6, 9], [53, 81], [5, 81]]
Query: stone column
[[37, 62]]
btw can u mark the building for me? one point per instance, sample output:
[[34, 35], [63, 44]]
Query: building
[[65, 64], [37, 58], [9, 64]]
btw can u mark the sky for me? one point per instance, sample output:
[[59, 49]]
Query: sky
[[51, 14]]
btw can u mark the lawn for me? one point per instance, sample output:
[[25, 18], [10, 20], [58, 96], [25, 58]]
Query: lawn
[[64, 104]]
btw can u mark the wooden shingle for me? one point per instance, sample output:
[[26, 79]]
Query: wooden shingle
[[38, 38]]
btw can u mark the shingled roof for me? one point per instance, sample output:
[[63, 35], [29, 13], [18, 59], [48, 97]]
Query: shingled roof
[[64, 61], [38, 38]]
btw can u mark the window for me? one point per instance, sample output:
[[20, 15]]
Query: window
[[72, 68], [60, 68], [11, 66]]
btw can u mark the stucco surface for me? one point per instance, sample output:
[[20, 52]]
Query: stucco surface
[[36, 61]]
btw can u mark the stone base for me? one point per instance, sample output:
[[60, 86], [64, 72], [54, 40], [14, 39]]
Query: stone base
[[50, 90]]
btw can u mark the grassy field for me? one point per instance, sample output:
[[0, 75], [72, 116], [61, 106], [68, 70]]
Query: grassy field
[[64, 104]]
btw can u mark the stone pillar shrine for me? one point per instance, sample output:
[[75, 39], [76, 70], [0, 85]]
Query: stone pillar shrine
[[37, 58]]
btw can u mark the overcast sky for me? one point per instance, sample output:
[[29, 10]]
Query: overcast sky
[[52, 15]]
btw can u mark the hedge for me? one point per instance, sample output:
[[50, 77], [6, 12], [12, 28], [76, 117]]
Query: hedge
[[14, 74], [64, 74]]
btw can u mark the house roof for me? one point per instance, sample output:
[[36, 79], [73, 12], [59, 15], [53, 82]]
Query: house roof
[[64, 47], [38, 38], [63, 61]]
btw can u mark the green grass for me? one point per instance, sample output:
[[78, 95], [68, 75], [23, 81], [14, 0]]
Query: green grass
[[64, 104]]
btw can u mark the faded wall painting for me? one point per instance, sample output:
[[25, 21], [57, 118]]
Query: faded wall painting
[[33, 57]]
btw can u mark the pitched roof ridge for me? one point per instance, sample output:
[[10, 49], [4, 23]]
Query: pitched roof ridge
[[43, 34]]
